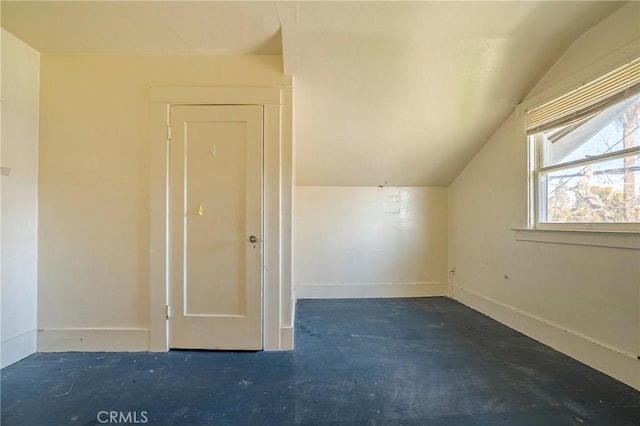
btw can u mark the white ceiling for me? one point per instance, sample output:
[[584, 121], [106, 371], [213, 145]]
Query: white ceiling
[[145, 27], [386, 93]]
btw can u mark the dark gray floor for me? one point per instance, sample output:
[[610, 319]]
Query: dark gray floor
[[369, 361]]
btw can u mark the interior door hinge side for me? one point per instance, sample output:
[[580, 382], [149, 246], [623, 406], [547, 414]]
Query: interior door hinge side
[[168, 133], [168, 311]]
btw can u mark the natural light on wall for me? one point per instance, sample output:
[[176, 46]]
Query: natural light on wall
[[585, 154]]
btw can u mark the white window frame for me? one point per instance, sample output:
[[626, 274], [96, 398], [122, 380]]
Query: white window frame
[[537, 194], [538, 190]]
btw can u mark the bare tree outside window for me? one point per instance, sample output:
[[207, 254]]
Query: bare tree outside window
[[606, 191], [630, 121]]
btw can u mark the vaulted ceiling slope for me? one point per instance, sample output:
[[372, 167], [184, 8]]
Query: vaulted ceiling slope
[[404, 94], [386, 93]]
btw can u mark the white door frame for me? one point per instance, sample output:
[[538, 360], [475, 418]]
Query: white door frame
[[277, 332]]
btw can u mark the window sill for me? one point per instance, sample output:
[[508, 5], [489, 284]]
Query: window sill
[[597, 238]]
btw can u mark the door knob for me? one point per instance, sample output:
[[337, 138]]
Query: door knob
[[253, 239]]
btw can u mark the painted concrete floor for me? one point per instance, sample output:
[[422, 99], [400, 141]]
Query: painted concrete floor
[[369, 361]]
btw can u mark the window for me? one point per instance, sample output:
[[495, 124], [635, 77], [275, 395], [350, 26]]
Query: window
[[585, 155]]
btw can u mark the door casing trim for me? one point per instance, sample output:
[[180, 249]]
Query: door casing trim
[[276, 188]]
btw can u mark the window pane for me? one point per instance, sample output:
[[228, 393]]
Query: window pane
[[611, 130], [608, 191]]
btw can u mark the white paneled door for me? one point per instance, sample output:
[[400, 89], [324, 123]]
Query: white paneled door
[[215, 197]]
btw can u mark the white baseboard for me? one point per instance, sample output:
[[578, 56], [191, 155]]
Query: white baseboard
[[16, 348], [286, 338], [93, 340], [379, 290], [616, 363]]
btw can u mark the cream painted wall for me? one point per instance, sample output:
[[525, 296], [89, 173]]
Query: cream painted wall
[[581, 300], [370, 242], [94, 187], [20, 91]]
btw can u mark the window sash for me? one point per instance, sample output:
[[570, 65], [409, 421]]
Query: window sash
[[538, 189], [591, 159]]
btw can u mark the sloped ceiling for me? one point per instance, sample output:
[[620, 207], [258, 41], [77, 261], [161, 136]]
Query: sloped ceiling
[[386, 93]]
